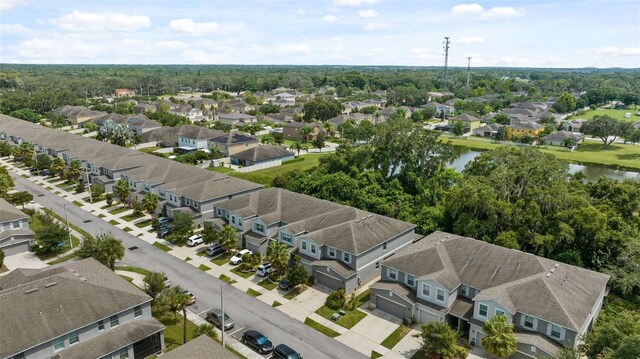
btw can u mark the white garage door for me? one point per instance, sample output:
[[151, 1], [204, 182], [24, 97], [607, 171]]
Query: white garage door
[[327, 281], [426, 317], [16, 248]]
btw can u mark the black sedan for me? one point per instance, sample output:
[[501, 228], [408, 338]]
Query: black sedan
[[257, 342], [282, 351]]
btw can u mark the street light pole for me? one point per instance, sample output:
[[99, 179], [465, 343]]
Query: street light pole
[[89, 183], [67, 219], [222, 309]]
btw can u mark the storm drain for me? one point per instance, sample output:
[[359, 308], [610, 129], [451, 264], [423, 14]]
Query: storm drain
[[133, 248]]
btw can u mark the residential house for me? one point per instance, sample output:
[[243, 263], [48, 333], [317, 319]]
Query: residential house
[[124, 93], [432, 96], [200, 347], [442, 110], [261, 154], [340, 246], [193, 114], [287, 97], [291, 131], [356, 117], [470, 122], [236, 118], [563, 138], [155, 135], [189, 136], [140, 124], [234, 142], [465, 282], [15, 235], [488, 130], [80, 309], [523, 128], [235, 105], [281, 117], [75, 115], [114, 117], [573, 125], [142, 107]]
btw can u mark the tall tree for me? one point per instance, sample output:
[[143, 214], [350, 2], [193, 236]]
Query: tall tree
[[296, 273], [43, 161], [122, 190], [182, 228], [565, 103], [58, 167], [319, 141], [6, 182], [228, 237], [109, 250], [605, 127], [208, 330], [278, 255], [304, 133], [439, 341], [74, 170], [154, 284], [177, 301], [321, 109], [297, 146], [150, 203], [499, 339]]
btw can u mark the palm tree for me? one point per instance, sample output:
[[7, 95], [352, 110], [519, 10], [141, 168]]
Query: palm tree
[[297, 146], [207, 329], [499, 339], [150, 203], [268, 140], [304, 133], [109, 250], [228, 237], [122, 190], [75, 170], [58, 167], [179, 300], [6, 182], [278, 255]]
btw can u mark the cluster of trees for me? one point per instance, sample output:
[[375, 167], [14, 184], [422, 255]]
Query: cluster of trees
[[105, 248], [321, 109], [609, 129], [117, 133]]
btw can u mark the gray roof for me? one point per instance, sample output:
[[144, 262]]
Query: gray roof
[[39, 305], [518, 281], [525, 124], [465, 118], [198, 348], [263, 153], [236, 116], [9, 213], [195, 132], [561, 135], [233, 137]]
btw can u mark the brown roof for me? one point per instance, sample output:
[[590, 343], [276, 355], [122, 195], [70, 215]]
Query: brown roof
[[263, 153], [200, 347], [464, 117], [9, 213]]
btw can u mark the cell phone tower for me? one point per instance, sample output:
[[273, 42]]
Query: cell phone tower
[[446, 60], [468, 70]]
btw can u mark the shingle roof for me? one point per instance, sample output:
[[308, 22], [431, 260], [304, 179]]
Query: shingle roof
[[561, 135], [195, 132], [9, 213], [519, 281], [200, 347], [263, 153], [44, 304], [465, 118]]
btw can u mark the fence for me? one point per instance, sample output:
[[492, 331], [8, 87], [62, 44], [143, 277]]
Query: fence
[[260, 166]]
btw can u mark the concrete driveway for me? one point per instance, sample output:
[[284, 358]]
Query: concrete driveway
[[23, 260]]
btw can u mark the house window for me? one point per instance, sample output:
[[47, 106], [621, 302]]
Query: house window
[[286, 237], [16, 224], [332, 252], [258, 227], [377, 265], [137, 311], [392, 274], [440, 295], [124, 353], [528, 322], [304, 245], [483, 310], [426, 290], [556, 331], [218, 212], [384, 246], [73, 338], [239, 222], [411, 280], [346, 257], [464, 290], [195, 204], [100, 326], [233, 219], [114, 321], [500, 312], [19, 356], [58, 343], [313, 248]]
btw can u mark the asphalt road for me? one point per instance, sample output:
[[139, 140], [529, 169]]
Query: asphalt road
[[246, 311]]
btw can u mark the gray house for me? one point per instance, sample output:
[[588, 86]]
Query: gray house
[[560, 138], [261, 154], [463, 281], [77, 310], [341, 246], [15, 235]]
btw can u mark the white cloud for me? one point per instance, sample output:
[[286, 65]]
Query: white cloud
[[15, 29], [376, 26], [330, 18], [470, 40], [378, 51], [188, 26], [616, 51], [293, 48], [202, 57], [504, 12], [354, 2], [423, 54], [173, 45], [630, 51], [87, 21], [10, 4], [367, 13], [464, 9]]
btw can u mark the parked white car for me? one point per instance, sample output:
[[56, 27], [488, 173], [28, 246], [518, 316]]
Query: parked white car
[[195, 240], [264, 270], [237, 258]]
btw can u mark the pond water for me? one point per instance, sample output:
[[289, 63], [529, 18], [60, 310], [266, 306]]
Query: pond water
[[592, 172]]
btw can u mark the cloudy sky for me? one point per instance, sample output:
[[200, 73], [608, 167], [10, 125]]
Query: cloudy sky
[[562, 33]]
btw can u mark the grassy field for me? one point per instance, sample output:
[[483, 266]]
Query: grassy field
[[227, 279], [395, 337], [351, 317], [589, 152], [161, 246], [267, 284], [617, 114], [254, 293], [321, 328], [141, 271], [220, 169], [174, 331], [267, 175]]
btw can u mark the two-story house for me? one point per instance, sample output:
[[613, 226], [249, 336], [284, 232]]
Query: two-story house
[[463, 281], [80, 309], [340, 246], [15, 235]]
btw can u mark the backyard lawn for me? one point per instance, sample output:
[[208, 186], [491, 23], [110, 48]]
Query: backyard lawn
[[351, 317], [617, 114], [267, 175], [173, 331]]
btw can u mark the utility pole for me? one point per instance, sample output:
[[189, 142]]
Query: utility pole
[[222, 309], [468, 70], [68, 230], [446, 61], [89, 183]]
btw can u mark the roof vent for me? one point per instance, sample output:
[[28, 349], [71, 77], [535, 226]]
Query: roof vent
[[29, 291], [363, 218], [557, 265], [369, 216], [552, 270], [49, 285], [357, 221]]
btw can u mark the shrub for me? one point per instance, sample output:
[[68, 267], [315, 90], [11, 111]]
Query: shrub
[[336, 299]]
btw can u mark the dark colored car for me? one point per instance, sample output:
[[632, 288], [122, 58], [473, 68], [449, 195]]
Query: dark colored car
[[46, 173], [257, 342], [215, 317], [284, 284], [282, 351], [215, 250]]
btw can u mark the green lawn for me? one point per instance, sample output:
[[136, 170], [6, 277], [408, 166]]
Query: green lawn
[[267, 284], [254, 293], [187, 259], [127, 229], [227, 279], [267, 175], [146, 222], [617, 114], [173, 332], [24, 176], [220, 169], [589, 152], [63, 258], [118, 210], [222, 259], [276, 304], [114, 222], [149, 149], [244, 275], [138, 270], [77, 203], [295, 292], [161, 246], [395, 337], [375, 354], [351, 318], [131, 217], [100, 215], [128, 279], [203, 268], [363, 298], [321, 328]]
